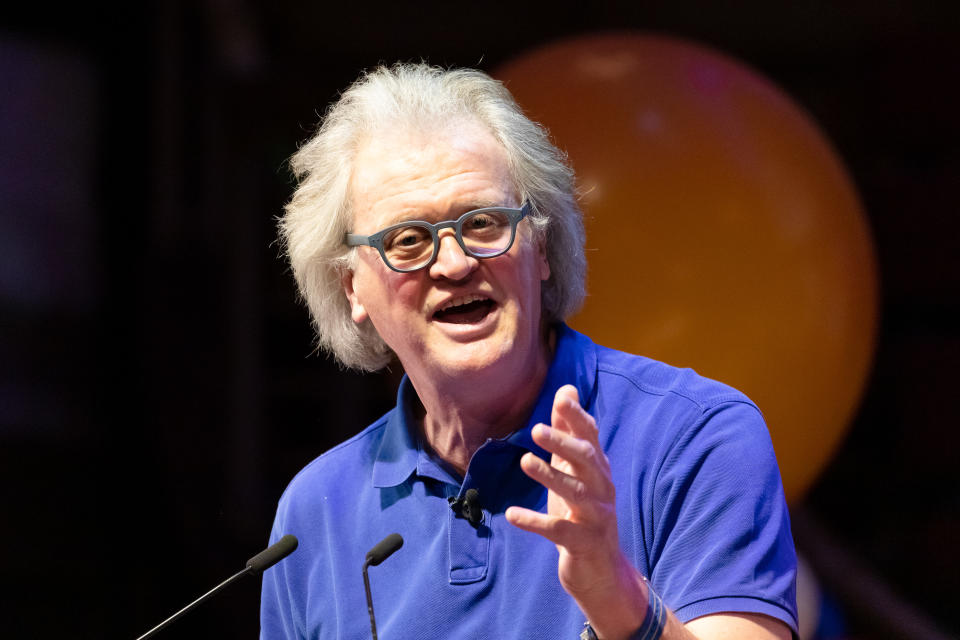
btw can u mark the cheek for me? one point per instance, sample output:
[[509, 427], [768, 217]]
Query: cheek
[[389, 293], [404, 292], [525, 277]]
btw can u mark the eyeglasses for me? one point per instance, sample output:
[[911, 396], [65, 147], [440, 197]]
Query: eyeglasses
[[413, 245]]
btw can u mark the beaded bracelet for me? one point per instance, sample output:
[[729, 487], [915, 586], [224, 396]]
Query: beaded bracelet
[[653, 621]]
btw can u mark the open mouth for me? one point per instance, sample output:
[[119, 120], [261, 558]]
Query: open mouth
[[465, 313]]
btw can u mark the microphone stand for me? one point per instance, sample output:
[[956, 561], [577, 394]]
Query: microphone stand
[[380, 552], [245, 571], [366, 586], [255, 565]]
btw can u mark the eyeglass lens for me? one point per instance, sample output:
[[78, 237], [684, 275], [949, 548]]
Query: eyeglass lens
[[485, 234]]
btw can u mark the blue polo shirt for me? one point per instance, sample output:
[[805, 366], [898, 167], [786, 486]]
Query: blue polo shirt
[[700, 510]]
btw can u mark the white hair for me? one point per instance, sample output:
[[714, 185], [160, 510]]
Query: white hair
[[418, 95]]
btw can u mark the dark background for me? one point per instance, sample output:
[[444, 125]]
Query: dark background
[[157, 388]]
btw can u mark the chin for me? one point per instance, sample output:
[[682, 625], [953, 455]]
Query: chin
[[489, 355]]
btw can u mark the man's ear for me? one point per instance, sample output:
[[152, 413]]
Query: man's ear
[[357, 311], [544, 262]]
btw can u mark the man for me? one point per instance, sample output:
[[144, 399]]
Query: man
[[546, 487]]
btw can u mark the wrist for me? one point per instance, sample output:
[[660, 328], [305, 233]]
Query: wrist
[[652, 625]]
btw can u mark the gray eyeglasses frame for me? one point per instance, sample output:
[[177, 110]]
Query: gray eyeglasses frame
[[376, 240]]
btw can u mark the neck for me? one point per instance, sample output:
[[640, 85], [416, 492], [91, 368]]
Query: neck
[[459, 416]]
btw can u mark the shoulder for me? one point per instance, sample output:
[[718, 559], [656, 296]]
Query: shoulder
[[348, 464], [670, 415], [658, 382], [697, 456]]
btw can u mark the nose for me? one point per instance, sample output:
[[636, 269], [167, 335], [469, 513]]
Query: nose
[[452, 263]]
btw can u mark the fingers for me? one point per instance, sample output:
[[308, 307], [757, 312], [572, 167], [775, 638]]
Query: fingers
[[584, 458], [581, 492], [557, 530], [570, 417], [574, 491], [581, 514]]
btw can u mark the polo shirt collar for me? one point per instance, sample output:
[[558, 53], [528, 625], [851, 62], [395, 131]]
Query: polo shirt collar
[[574, 362], [397, 456]]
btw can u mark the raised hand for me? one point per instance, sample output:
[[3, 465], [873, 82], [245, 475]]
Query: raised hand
[[581, 519]]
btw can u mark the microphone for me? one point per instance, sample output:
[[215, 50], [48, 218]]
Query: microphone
[[273, 554], [468, 506], [380, 552], [255, 565], [384, 549]]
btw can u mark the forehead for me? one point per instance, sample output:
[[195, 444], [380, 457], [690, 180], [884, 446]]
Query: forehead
[[414, 174]]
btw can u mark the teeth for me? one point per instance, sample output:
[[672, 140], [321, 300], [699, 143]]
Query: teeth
[[456, 302]]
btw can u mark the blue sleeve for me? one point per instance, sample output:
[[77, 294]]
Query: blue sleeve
[[722, 542], [276, 601]]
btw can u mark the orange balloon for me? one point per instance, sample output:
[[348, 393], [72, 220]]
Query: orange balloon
[[723, 232]]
